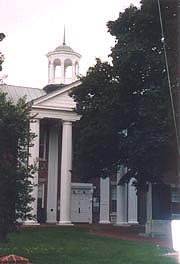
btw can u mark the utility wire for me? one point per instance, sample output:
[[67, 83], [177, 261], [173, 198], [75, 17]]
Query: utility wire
[[168, 77]]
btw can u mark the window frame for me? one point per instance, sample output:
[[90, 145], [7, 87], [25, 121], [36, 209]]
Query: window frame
[[42, 143], [112, 195]]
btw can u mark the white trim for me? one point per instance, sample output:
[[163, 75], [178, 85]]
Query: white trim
[[82, 185], [104, 222], [50, 113], [64, 89], [53, 108], [65, 223], [121, 224], [64, 52]]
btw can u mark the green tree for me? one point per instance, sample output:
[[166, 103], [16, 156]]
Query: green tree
[[2, 36], [15, 173], [96, 152], [137, 122]]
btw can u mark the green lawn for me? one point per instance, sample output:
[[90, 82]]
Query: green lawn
[[72, 245]]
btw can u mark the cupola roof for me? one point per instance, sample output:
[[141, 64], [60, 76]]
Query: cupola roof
[[64, 48]]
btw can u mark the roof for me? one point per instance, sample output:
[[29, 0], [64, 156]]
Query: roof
[[53, 87], [17, 92], [64, 48]]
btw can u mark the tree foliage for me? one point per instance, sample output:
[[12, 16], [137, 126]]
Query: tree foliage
[[2, 36], [97, 133], [126, 108], [15, 173]]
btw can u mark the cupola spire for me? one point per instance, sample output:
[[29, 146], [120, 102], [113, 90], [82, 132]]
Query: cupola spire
[[64, 36]]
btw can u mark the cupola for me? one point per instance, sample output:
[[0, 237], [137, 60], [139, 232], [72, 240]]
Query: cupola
[[63, 64]]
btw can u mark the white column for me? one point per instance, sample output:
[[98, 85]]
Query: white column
[[77, 70], [132, 204], [52, 176], [104, 200], [121, 218], [34, 158], [62, 72], [49, 67], [149, 210], [73, 71], [66, 166], [51, 73]]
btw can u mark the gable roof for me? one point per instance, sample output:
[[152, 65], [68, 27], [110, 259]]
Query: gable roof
[[58, 99], [16, 92], [63, 89]]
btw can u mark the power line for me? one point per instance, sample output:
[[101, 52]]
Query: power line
[[168, 77]]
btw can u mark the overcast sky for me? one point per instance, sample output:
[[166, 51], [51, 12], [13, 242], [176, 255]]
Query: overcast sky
[[35, 27]]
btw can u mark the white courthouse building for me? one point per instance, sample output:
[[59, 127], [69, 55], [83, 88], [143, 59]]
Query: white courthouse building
[[59, 198]]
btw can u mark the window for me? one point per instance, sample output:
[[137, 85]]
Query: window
[[41, 213], [41, 194], [113, 198], [175, 195], [42, 144], [175, 206], [96, 204]]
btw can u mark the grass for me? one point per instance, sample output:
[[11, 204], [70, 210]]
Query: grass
[[73, 245]]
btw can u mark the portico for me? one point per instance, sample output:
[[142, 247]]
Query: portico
[[59, 118]]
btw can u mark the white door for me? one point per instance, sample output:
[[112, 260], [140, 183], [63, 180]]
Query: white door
[[81, 206]]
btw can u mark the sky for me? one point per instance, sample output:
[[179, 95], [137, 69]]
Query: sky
[[35, 27]]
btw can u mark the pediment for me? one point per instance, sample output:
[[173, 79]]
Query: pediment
[[59, 100]]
